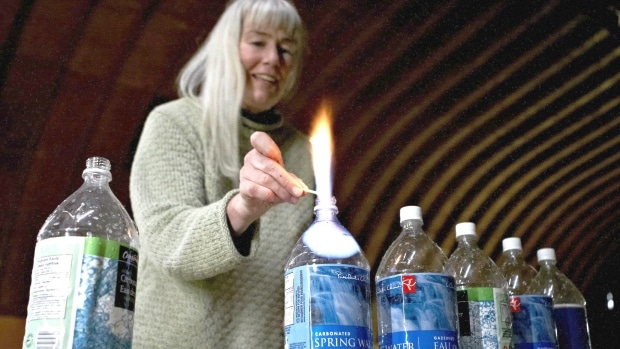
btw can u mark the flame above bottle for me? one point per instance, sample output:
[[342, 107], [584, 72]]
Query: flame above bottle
[[322, 151]]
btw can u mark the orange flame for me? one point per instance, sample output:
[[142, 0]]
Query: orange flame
[[322, 150]]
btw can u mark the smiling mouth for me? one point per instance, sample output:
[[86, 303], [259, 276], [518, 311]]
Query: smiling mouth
[[267, 78]]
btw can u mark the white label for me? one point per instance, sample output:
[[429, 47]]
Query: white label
[[49, 290], [289, 299], [48, 338]]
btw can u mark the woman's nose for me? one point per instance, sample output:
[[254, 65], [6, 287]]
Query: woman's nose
[[272, 55]]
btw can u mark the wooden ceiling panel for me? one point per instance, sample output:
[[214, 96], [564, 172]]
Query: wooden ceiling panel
[[127, 109], [101, 47], [505, 113], [157, 50], [10, 12], [22, 119], [50, 29]]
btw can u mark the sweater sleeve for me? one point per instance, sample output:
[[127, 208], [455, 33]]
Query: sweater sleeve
[[179, 230]]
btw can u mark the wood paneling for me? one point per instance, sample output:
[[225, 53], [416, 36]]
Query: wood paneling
[[504, 113]]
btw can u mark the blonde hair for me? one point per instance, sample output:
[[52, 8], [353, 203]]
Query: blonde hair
[[215, 77]]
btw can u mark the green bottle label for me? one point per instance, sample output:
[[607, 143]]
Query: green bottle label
[[484, 318], [82, 294]]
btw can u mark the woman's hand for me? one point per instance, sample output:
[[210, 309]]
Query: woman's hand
[[263, 182]]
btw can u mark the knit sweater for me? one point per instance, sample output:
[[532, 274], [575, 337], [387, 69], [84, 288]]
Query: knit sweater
[[195, 289]]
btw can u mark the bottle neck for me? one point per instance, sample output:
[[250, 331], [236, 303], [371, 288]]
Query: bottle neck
[[97, 177], [547, 264], [514, 255], [325, 208], [412, 226], [467, 240], [325, 214]]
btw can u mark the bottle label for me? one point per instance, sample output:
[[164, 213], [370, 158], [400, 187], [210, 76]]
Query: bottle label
[[417, 311], [82, 294], [484, 318], [532, 322], [572, 325], [327, 306]]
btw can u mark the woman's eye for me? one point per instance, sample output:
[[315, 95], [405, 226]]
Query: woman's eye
[[284, 50], [258, 43]]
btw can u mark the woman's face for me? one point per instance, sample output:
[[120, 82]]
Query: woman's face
[[267, 55]]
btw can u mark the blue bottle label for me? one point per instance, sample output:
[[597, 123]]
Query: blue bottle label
[[572, 325], [417, 311], [532, 322], [484, 318], [327, 306]]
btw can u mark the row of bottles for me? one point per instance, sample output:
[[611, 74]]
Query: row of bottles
[[546, 307], [85, 271], [425, 299]]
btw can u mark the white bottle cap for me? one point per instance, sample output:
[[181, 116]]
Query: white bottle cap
[[546, 254], [465, 228], [512, 244], [410, 212]]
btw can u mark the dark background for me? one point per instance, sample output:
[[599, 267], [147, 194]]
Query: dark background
[[504, 113]]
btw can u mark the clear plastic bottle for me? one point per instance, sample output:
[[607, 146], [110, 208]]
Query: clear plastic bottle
[[416, 301], [484, 314], [517, 272], [569, 305], [532, 315], [85, 270], [327, 287]]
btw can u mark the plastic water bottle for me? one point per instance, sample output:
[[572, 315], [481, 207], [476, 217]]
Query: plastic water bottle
[[327, 287], [416, 301], [569, 305], [532, 315], [517, 272], [484, 315], [85, 269]]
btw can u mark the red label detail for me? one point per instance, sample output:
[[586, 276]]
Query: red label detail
[[409, 285], [515, 305]]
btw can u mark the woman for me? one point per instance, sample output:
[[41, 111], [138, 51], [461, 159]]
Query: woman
[[217, 209]]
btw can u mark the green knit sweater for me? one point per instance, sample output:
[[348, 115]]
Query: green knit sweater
[[195, 289]]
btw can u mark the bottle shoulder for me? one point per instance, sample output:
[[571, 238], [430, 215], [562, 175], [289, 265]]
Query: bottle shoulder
[[468, 256], [326, 242], [518, 277], [303, 255], [92, 210], [558, 286], [412, 254], [471, 267], [517, 267]]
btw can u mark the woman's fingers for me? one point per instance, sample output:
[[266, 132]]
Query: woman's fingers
[[264, 167], [266, 146], [263, 182], [257, 183]]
